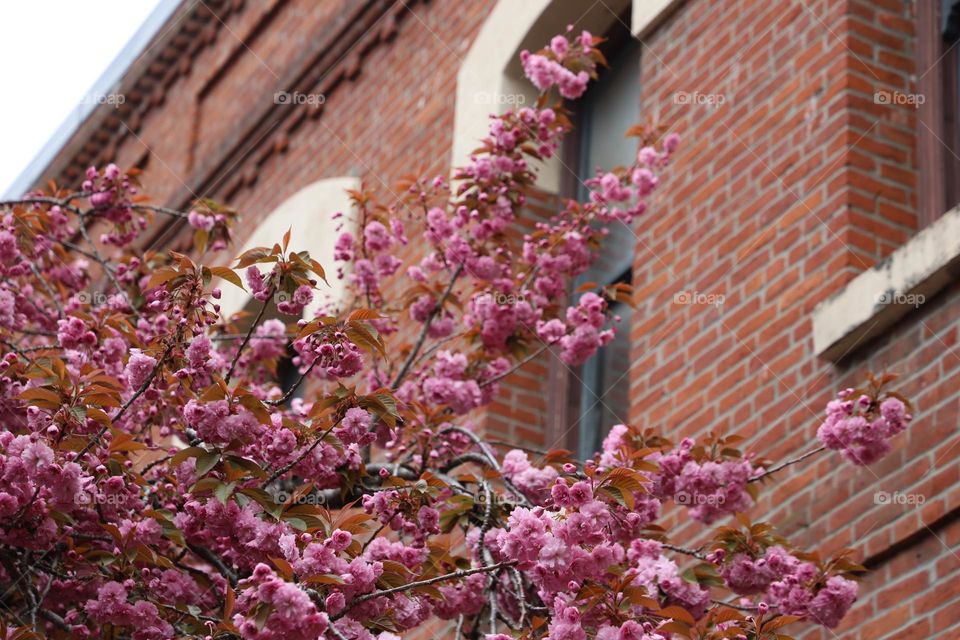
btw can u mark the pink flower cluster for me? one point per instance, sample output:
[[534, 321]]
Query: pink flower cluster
[[373, 260], [861, 429], [449, 384], [533, 482], [795, 586], [260, 287], [139, 368], [587, 334], [657, 573], [293, 303], [111, 607], [550, 67], [333, 353], [499, 317], [292, 614], [562, 550], [111, 193], [710, 489], [441, 324], [201, 221], [404, 514]]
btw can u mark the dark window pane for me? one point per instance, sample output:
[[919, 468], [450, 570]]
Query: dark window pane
[[605, 393], [608, 109]]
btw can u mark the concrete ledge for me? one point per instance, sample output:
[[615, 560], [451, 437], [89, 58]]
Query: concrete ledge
[[646, 15], [869, 304]]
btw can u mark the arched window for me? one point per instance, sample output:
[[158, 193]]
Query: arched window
[[308, 214]]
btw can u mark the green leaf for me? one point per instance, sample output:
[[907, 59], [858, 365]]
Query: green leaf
[[223, 491], [183, 454], [207, 461]]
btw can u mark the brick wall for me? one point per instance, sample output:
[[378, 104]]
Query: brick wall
[[786, 190]]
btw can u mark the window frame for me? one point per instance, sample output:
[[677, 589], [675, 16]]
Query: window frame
[[938, 130]]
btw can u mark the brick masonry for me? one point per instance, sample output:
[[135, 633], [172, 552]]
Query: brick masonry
[[780, 195]]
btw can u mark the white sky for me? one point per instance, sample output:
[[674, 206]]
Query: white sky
[[51, 53]]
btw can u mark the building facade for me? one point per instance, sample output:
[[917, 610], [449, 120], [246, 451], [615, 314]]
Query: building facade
[[806, 233]]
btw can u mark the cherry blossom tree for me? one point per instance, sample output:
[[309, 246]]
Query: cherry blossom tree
[[157, 481]]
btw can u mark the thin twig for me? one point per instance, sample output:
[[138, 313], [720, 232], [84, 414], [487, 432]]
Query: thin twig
[[246, 338], [336, 633], [50, 616], [218, 564], [282, 470], [157, 209], [787, 463], [294, 388], [436, 345], [464, 458], [520, 364], [735, 606], [58, 202], [454, 575], [405, 369], [491, 457], [46, 285], [103, 263], [690, 552], [128, 403]]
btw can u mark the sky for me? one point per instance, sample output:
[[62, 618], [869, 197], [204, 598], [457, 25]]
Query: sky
[[52, 52]]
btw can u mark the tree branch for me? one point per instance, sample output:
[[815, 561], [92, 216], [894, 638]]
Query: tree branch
[[103, 263], [690, 552], [210, 557], [454, 575]]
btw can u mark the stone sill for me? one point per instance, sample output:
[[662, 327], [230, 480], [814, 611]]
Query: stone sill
[[876, 299]]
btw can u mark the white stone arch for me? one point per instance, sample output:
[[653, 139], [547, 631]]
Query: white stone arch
[[490, 78], [309, 215]]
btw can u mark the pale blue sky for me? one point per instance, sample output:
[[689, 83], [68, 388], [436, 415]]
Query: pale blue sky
[[52, 52]]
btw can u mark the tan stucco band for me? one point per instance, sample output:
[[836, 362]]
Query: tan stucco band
[[877, 298]]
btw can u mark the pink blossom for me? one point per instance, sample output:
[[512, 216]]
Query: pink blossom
[[376, 237], [200, 221], [862, 433], [139, 367]]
